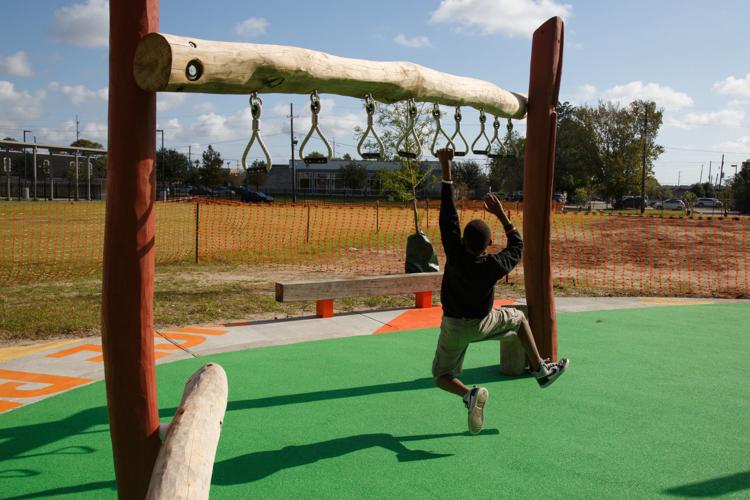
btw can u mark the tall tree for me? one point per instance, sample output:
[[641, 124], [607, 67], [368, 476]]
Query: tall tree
[[468, 177], [740, 186], [506, 172], [620, 135], [171, 166], [212, 172], [576, 155], [353, 176], [257, 175]]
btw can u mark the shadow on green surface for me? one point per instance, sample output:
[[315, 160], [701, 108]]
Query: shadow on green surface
[[15, 442], [68, 490], [255, 466], [713, 487], [470, 376]]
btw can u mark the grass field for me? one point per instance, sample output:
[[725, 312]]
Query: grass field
[[650, 408], [51, 254]]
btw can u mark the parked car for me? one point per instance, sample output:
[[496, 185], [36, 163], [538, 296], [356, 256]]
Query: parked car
[[255, 197], [673, 204], [629, 203], [515, 196], [201, 191], [559, 197], [708, 202], [223, 191]]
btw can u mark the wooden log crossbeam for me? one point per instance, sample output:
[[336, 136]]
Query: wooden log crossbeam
[[185, 462], [172, 63], [325, 291]]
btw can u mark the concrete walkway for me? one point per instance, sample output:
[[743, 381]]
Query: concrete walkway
[[31, 373]]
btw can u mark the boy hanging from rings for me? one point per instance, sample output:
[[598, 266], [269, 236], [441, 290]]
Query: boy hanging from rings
[[467, 295]]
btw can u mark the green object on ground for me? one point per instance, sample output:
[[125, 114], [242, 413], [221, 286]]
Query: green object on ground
[[420, 255], [654, 405]]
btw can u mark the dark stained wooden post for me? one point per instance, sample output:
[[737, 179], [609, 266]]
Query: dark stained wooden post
[[539, 168], [128, 275]]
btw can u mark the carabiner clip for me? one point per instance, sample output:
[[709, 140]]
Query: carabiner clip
[[457, 119], [436, 114], [370, 108], [256, 107], [315, 109], [410, 124], [482, 133], [496, 138]]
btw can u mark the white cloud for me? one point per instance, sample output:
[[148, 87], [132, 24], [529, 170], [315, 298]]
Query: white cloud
[[726, 117], [741, 145], [415, 42], [507, 17], [79, 94], [58, 135], [83, 24], [203, 107], [16, 65], [584, 93], [733, 86], [666, 97], [169, 100], [17, 106], [251, 27]]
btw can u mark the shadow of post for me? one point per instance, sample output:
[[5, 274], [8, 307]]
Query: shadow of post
[[713, 487], [255, 466]]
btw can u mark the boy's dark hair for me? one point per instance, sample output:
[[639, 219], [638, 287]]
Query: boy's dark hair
[[477, 236]]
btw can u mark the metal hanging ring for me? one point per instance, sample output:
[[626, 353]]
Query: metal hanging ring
[[256, 108], [457, 118], [410, 124], [315, 109], [370, 109], [482, 134], [496, 139], [436, 114], [509, 150]]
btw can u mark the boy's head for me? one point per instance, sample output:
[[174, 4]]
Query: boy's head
[[477, 237]]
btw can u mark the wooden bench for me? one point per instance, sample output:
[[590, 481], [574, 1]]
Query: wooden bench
[[324, 292]]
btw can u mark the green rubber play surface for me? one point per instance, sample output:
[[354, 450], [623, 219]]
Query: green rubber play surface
[[656, 403]]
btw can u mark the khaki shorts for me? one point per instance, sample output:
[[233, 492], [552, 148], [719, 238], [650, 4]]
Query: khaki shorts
[[456, 334]]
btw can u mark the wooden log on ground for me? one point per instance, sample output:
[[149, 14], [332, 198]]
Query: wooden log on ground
[[395, 284], [186, 459], [180, 64]]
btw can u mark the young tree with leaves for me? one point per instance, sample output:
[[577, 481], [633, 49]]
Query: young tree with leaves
[[212, 172]]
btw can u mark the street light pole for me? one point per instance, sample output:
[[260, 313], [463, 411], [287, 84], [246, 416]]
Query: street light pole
[[292, 142]]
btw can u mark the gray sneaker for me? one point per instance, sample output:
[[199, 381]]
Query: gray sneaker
[[475, 401], [549, 372]]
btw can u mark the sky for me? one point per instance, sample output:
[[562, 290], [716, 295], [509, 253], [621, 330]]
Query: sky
[[689, 56]]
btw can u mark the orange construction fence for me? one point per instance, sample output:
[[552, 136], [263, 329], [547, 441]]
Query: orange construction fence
[[643, 255]]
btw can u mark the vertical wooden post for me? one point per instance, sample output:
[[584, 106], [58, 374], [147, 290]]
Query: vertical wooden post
[[34, 176], [307, 234], [377, 216], [541, 128], [197, 226], [128, 274]]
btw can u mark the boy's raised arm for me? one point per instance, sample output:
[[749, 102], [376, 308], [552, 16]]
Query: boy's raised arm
[[450, 230]]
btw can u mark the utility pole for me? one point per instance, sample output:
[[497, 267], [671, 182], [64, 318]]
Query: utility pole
[[735, 171], [721, 175], [644, 140], [679, 172], [156, 163], [700, 180], [25, 169], [190, 150], [709, 174], [77, 123], [293, 142]]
